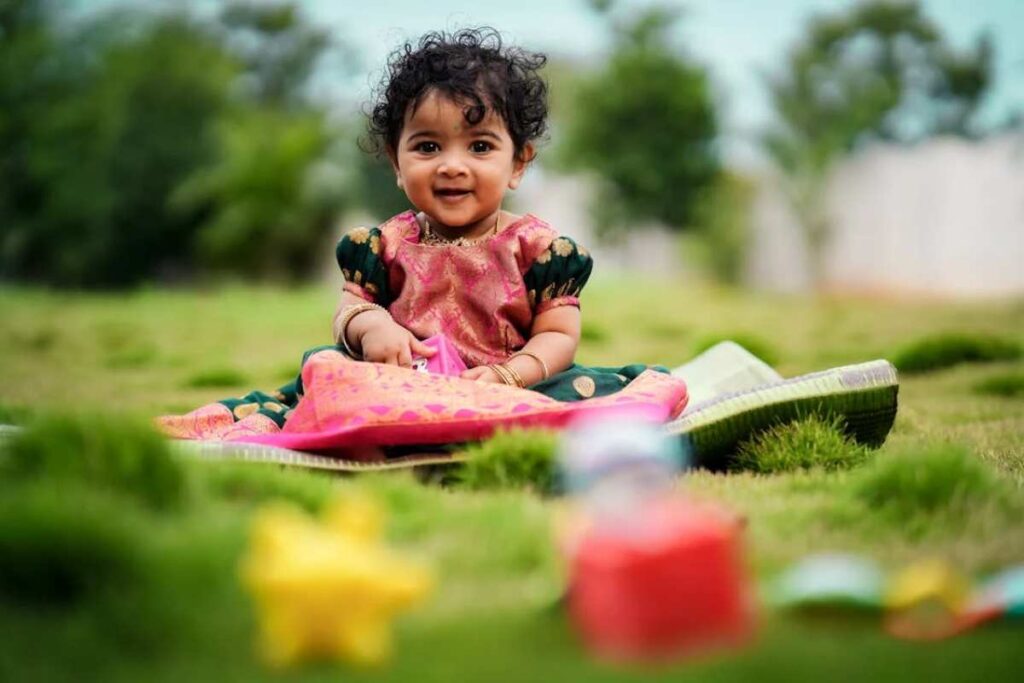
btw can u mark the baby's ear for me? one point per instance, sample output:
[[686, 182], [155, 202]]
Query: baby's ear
[[393, 158], [520, 163]]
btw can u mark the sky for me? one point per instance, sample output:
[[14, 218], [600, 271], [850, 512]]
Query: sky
[[736, 39]]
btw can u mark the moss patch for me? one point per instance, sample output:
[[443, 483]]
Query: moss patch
[[946, 350], [810, 443]]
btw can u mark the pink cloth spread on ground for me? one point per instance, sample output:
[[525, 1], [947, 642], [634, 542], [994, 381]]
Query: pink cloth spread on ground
[[349, 406]]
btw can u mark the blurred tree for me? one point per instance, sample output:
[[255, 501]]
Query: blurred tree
[[267, 211], [722, 221], [27, 82], [113, 121], [278, 47], [375, 187], [267, 208], [645, 124], [880, 71]]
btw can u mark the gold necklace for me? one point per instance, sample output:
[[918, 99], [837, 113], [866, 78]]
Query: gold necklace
[[433, 238]]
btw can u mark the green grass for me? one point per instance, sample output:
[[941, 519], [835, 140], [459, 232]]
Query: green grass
[[1009, 385], [511, 459], [101, 583], [217, 378], [946, 350], [811, 443]]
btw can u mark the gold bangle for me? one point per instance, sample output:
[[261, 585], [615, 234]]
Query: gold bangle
[[503, 374], [543, 366], [516, 377], [346, 317]]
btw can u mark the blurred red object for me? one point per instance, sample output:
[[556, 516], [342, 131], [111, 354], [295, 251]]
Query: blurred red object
[[671, 583]]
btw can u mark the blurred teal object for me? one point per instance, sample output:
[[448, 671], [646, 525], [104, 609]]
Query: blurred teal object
[[1002, 593], [830, 580]]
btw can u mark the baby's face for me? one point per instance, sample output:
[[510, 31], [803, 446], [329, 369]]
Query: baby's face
[[454, 172]]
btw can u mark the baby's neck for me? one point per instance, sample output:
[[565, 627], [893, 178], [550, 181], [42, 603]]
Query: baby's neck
[[481, 231]]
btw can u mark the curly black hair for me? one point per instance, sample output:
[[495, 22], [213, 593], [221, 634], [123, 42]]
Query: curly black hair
[[471, 66]]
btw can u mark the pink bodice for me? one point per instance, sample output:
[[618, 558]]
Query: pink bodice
[[474, 294]]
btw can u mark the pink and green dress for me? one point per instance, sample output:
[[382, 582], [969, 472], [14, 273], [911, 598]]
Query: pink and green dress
[[483, 297]]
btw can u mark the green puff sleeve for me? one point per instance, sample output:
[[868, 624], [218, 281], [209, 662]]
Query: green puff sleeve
[[558, 275], [359, 257]]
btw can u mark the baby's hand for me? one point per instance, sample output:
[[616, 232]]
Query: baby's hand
[[390, 343], [482, 373]]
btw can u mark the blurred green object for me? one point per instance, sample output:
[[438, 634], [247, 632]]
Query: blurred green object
[[946, 350], [62, 544], [1009, 385], [108, 452]]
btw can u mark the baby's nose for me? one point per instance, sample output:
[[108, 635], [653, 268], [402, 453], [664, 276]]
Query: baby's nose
[[451, 165]]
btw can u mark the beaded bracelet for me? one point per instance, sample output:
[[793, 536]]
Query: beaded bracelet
[[346, 317]]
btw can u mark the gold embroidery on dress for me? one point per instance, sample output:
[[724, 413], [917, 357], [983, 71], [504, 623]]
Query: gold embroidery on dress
[[358, 277], [245, 409], [375, 244], [548, 293], [544, 257], [347, 274], [531, 296], [584, 386], [359, 235], [582, 251], [562, 247]]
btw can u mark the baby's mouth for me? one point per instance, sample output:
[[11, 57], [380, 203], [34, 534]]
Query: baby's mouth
[[451, 193]]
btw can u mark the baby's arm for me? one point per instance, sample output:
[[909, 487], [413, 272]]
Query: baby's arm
[[554, 336], [376, 335]]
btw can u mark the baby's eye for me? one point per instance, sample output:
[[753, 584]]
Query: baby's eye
[[428, 147], [481, 147]]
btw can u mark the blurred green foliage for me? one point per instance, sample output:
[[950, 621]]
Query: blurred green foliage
[[59, 549], [939, 351], [99, 124], [919, 481], [517, 458], [135, 142], [1008, 385], [645, 124], [107, 452], [722, 221]]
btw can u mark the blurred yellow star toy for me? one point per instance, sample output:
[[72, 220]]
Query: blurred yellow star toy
[[328, 589]]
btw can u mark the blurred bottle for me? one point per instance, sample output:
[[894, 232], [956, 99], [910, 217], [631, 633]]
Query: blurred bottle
[[616, 463], [652, 574]]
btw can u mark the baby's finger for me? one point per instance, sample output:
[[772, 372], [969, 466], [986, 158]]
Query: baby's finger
[[419, 348], [405, 358]]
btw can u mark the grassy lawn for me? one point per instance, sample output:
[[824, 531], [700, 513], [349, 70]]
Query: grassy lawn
[[178, 613]]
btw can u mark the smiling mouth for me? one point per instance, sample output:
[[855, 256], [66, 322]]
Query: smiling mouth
[[452, 194]]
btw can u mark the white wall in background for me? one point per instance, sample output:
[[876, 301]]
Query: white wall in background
[[943, 217]]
